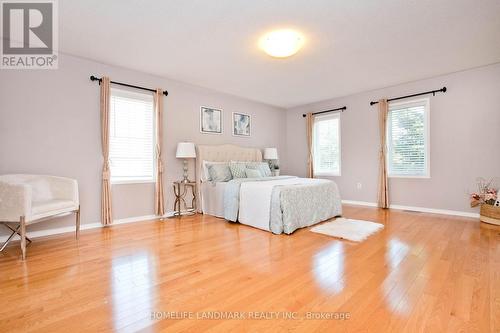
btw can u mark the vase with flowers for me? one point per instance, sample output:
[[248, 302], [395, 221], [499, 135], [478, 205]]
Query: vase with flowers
[[487, 198]]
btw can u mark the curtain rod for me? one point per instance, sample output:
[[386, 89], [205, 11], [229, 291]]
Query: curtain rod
[[433, 92], [94, 78], [337, 109]]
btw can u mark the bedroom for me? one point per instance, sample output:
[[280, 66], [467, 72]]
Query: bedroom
[[428, 262]]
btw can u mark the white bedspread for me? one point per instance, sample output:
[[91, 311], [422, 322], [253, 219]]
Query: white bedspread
[[255, 200], [212, 198]]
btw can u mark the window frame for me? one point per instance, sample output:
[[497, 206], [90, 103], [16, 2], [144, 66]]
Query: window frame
[[138, 95], [427, 137], [339, 137]]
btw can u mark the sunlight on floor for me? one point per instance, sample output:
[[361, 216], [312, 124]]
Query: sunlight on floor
[[133, 286], [328, 267]]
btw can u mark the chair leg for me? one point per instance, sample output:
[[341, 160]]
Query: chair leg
[[16, 231], [8, 240], [22, 223], [78, 222]]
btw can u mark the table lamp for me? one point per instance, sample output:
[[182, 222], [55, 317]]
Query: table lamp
[[185, 150], [271, 154]]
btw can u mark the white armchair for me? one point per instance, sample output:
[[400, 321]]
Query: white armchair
[[28, 199]]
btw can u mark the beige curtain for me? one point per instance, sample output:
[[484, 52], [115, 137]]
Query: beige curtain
[[383, 191], [106, 209], [309, 132], [159, 200]]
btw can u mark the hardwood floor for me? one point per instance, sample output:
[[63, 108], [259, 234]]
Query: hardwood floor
[[423, 272]]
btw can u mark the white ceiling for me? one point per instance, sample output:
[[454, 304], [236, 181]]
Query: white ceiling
[[351, 45]]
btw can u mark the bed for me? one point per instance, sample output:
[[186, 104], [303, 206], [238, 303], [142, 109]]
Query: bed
[[280, 204]]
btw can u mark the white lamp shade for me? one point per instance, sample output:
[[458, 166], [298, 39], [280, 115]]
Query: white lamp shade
[[270, 154], [185, 150]]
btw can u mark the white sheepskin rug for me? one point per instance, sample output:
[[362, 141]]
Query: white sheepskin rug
[[353, 230]]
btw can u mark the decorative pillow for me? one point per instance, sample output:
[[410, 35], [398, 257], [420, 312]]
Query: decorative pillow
[[263, 167], [238, 169], [205, 175], [253, 173], [251, 165], [219, 172], [265, 170], [204, 171]]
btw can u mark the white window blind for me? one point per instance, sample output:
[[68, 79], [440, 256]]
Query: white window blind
[[408, 139], [326, 145], [131, 139]]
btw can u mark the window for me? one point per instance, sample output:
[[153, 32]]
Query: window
[[326, 145], [131, 137], [408, 139]]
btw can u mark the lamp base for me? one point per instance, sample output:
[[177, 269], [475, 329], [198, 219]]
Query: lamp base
[[186, 179]]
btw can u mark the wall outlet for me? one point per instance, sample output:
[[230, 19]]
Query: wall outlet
[[359, 186]]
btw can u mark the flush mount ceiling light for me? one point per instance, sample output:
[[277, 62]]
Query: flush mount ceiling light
[[281, 43]]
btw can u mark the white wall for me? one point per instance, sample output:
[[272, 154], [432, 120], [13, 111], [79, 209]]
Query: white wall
[[49, 124], [465, 140]]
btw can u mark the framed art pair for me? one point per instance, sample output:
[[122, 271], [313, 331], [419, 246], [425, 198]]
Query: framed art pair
[[211, 122]]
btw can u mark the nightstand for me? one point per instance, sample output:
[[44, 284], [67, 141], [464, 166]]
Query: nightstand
[[180, 191]]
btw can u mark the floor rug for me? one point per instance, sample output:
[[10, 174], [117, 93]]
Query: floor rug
[[353, 230]]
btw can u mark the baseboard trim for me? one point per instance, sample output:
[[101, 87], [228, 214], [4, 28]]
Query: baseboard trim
[[87, 226], [359, 203], [413, 208]]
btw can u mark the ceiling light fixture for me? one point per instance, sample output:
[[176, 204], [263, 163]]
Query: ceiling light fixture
[[281, 43]]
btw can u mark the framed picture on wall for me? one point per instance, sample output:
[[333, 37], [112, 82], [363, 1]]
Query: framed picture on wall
[[241, 124], [210, 120]]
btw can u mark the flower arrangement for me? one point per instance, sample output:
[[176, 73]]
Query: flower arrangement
[[486, 193]]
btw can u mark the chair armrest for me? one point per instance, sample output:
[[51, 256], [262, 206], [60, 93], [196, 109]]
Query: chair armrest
[[63, 188], [15, 201]]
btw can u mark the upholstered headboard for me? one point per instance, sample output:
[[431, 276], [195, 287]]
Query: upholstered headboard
[[221, 153]]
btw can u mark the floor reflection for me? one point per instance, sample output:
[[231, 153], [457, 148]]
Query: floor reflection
[[328, 267], [133, 280], [396, 252], [394, 287]]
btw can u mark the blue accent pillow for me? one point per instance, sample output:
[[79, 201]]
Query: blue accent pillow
[[253, 173], [263, 167], [219, 172]]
